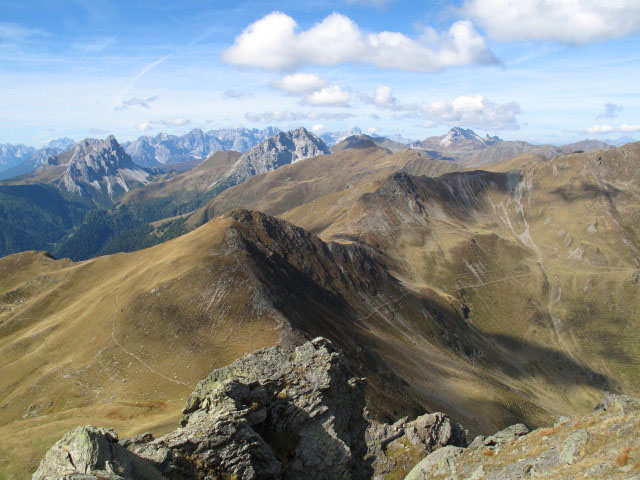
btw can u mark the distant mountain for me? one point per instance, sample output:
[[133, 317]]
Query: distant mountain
[[94, 171], [365, 141], [13, 155], [37, 157], [333, 138], [465, 146], [242, 139], [63, 144], [282, 149], [196, 145]]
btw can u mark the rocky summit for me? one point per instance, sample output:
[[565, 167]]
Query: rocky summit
[[282, 149], [279, 413], [602, 445]]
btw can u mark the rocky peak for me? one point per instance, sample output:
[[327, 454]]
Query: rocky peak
[[98, 169], [600, 445], [281, 149], [457, 134], [61, 144], [275, 414]]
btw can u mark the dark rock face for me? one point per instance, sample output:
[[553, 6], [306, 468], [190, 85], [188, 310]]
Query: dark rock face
[[275, 414]]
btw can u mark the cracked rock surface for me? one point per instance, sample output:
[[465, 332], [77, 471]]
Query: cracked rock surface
[[274, 414]]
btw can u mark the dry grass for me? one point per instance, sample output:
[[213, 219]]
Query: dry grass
[[623, 457]]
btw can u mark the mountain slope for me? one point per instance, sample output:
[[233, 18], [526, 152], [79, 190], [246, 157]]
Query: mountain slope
[[147, 325], [94, 171], [282, 149]]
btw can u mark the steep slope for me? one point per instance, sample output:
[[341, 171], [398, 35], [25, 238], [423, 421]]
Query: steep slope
[[146, 326], [94, 171], [282, 149], [346, 173], [180, 189], [546, 253], [35, 217]]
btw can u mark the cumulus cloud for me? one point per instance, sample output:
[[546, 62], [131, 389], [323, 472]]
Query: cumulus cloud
[[299, 83], [175, 121], [331, 96], [611, 110], [568, 21], [319, 128], [169, 122], [473, 112], [275, 42], [144, 126], [383, 97], [600, 129], [286, 116], [135, 101]]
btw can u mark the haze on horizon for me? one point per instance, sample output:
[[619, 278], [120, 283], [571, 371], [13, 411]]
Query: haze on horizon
[[519, 69]]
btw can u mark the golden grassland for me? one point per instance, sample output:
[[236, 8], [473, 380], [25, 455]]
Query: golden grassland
[[496, 297]]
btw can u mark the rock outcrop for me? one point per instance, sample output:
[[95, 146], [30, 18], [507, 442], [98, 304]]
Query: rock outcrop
[[601, 445], [275, 414], [282, 149]]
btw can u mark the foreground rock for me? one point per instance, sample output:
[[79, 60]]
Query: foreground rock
[[275, 414], [605, 444]]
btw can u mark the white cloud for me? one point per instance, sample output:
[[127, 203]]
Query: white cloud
[[299, 83], [473, 112], [175, 121], [170, 122], [383, 97], [135, 101], [568, 21], [275, 42], [601, 129], [611, 110], [332, 96], [144, 126], [286, 116], [372, 130], [319, 128]]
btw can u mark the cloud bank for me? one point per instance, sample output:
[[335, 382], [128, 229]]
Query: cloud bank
[[568, 21], [275, 42]]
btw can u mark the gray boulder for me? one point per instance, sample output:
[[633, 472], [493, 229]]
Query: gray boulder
[[275, 414]]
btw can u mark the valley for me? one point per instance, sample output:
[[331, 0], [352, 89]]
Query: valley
[[499, 295]]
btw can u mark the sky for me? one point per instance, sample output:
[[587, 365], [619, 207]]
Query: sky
[[544, 71]]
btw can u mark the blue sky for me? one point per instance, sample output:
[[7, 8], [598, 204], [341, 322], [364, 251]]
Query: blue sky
[[541, 71]]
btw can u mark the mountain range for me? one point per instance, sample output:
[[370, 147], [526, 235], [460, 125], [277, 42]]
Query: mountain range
[[16, 160], [198, 145], [465, 146], [497, 295]]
